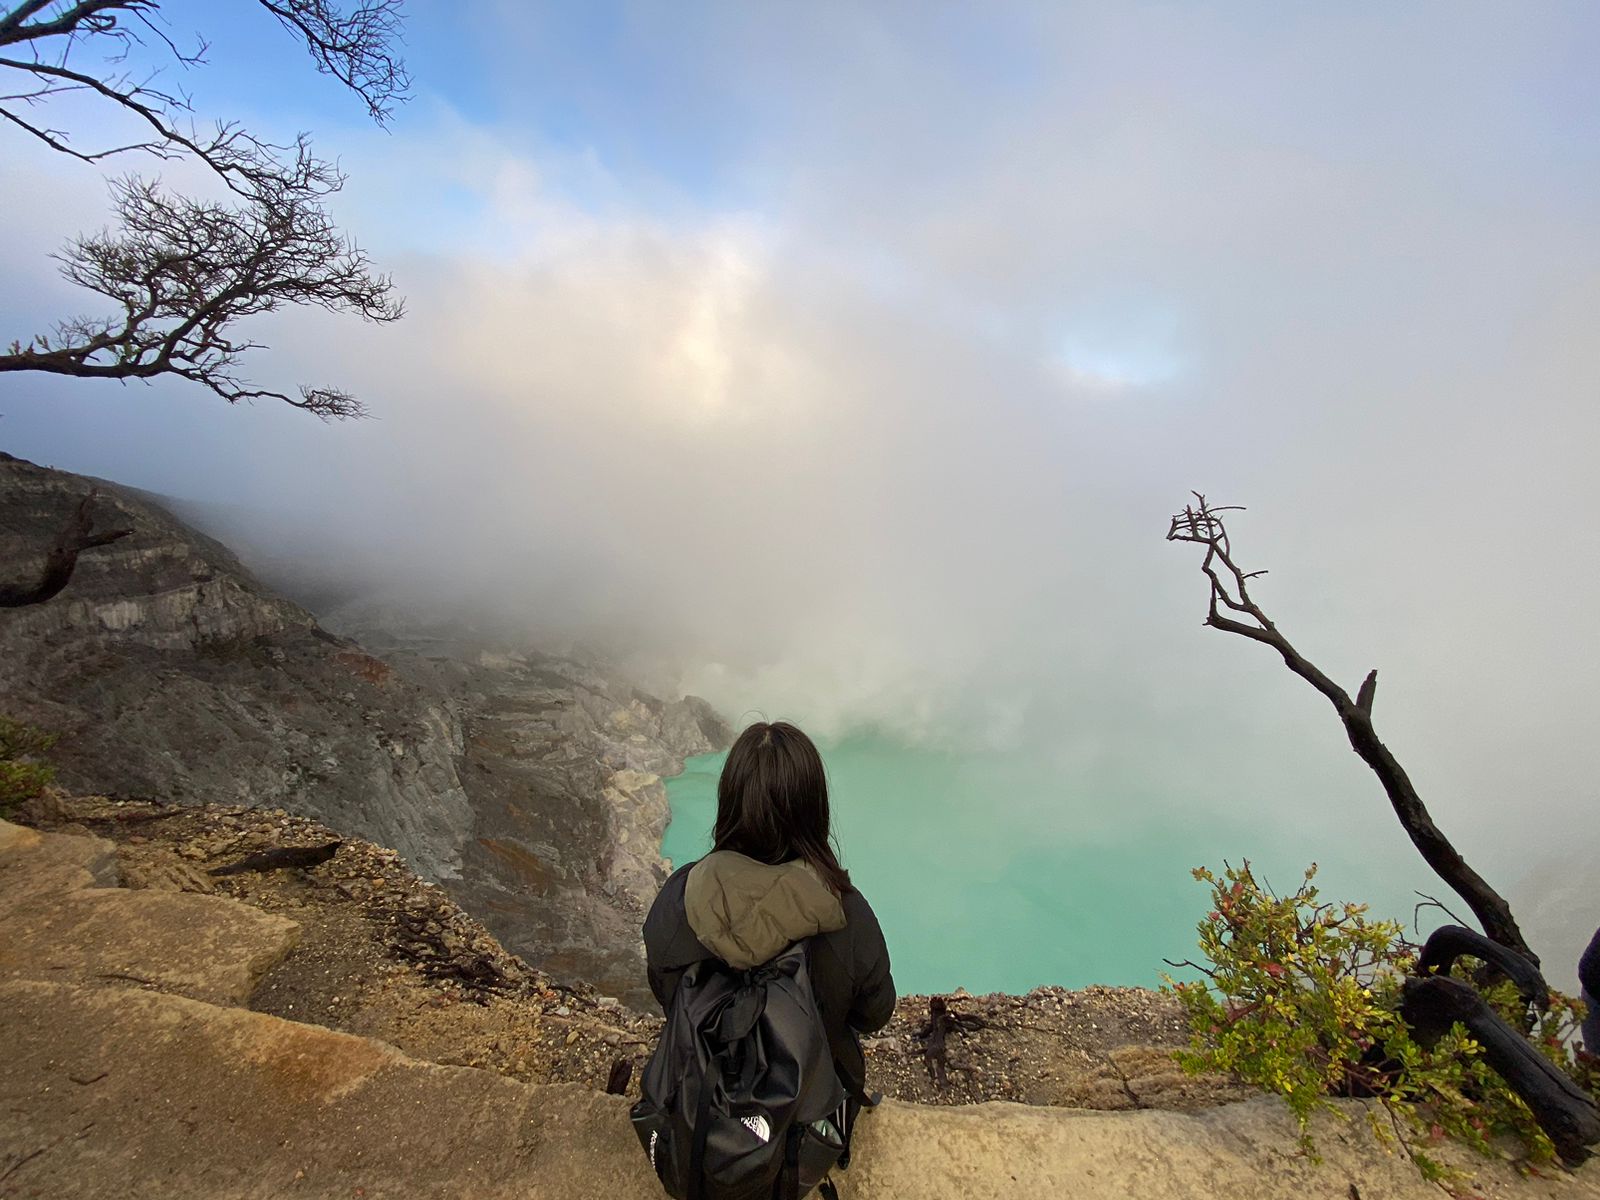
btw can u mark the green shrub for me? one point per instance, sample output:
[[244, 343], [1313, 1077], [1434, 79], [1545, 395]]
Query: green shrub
[[22, 777], [1302, 997]]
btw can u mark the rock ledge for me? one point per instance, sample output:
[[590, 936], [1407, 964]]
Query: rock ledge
[[111, 1090]]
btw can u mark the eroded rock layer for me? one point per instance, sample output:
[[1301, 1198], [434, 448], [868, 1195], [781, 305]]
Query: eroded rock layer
[[527, 784]]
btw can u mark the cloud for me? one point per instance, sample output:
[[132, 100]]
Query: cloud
[[795, 389]]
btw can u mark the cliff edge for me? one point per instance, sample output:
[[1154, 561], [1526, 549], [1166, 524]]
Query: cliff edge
[[527, 784], [132, 1071]]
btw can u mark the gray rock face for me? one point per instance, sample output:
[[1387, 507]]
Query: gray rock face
[[563, 765], [169, 671], [527, 784]]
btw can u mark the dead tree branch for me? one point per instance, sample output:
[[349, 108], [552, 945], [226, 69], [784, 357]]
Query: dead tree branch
[[1233, 610], [356, 48], [934, 1036], [76, 536], [184, 271]]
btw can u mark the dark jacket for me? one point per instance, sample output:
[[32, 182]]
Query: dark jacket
[[731, 907], [1589, 966], [1589, 978]]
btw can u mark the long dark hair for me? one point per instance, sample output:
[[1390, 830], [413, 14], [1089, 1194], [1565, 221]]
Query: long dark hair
[[772, 802]]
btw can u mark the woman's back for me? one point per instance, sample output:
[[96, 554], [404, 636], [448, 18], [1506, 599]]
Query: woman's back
[[773, 879], [731, 907], [771, 882]]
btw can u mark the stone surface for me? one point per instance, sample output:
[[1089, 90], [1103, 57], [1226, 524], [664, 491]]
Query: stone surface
[[200, 946], [61, 923], [1240, 1150], [107, 1090], [526, 783], [38, 867], [165, 872], [168, 670], [1096, 1047], [138, 1094]]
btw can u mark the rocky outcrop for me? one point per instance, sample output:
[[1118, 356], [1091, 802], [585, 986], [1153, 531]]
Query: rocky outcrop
[[110, 1090], [562, 762], [1097, 1047], [64, 920], [383, 954], [158, 1096], [528, 784], [168, 670]]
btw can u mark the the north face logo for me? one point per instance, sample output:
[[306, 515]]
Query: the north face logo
[[758, 1126]]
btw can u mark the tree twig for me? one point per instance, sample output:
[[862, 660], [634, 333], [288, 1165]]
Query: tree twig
[[1233, 610], [61, 560]]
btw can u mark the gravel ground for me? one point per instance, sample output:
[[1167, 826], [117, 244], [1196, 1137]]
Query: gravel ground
[[383, 954]]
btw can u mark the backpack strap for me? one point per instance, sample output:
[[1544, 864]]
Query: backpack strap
[[789, 1181], [702, 1126], [854, 1104]]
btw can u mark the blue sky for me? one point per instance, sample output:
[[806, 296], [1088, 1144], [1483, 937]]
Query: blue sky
[[857, 121], [845, 360]]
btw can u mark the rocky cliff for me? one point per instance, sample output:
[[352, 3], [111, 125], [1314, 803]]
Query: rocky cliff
[[527, 784], [133, 1067]]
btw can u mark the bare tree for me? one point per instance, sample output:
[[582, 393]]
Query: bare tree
[[184, 271], [1233, 611], [76, 536]]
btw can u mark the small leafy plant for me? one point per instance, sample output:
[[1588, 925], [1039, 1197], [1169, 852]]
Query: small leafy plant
[[22, 776], [1302, 997]]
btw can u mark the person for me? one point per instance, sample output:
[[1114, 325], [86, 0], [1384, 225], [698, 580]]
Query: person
[[1589, 980], [771, 879]]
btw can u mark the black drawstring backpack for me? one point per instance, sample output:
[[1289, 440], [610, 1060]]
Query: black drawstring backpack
[[740, 1100]]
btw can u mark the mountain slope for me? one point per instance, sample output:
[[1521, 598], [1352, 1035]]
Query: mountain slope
[[527, 784]]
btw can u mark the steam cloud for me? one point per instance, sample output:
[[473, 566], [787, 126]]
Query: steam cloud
[[878, 421]]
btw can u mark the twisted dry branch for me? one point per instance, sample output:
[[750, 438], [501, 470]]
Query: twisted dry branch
[[76, 536], [1233, 610], [185, 270]]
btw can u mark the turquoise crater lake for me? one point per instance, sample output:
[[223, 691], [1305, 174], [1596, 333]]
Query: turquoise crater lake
[[993, 873]]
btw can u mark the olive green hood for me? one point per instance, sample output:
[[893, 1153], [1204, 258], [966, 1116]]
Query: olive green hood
[[745, 911]]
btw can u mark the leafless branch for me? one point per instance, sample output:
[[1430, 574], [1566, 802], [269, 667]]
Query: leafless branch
[[355, 48], [1232, 610], [76, 536], [86, 17], [1428, 901], [250, 166], [56, 140], [183, 271]]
